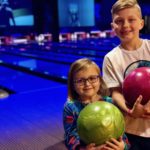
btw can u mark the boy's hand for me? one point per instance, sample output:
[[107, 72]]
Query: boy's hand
[[147, 110], [114, 144], [140, 110]]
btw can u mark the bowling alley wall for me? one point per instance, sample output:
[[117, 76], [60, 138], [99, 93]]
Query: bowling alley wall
[[60, 16]]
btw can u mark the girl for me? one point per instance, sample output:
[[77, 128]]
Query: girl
[[85, 85]]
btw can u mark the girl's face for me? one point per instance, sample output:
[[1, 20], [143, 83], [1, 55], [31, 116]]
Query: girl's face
[[87, 83], [127, 23]]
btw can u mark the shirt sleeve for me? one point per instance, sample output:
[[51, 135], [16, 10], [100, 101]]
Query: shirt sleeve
[[111, 73], [72, 139], [126, 142]]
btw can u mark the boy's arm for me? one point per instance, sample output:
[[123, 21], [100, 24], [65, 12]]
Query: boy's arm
[[119, 99], [138, 109]]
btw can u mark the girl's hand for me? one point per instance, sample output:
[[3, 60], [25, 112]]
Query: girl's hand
[[114, 144], [93, 147], [90, 147]]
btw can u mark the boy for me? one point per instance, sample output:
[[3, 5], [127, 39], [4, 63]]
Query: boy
[[127, 22]]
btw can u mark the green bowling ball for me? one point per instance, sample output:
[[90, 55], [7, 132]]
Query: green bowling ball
[[100, 121]]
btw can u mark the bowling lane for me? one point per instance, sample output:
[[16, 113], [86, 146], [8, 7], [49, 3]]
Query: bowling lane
[[21, 82], [47, 68], [44, 55], [58, 67], [47, 51], [49, 56]]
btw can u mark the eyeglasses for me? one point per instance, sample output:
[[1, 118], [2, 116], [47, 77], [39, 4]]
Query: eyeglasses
[[91, 79]]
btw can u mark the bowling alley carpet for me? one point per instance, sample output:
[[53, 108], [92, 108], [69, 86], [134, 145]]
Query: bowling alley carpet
[[32, 120]]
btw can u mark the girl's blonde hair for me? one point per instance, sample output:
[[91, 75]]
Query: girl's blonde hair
[[82, 64], [122, 4]]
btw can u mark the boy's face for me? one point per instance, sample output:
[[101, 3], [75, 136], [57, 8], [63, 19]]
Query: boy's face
[[127, 23]]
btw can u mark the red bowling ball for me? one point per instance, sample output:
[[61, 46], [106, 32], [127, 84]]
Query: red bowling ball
[[135, 84]]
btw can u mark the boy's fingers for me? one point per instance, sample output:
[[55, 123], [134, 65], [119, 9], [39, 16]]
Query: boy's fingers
[[146, 116], [147, 108], [138, 101], [147, 104]]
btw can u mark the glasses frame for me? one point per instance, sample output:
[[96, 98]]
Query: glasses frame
[[83, 81]]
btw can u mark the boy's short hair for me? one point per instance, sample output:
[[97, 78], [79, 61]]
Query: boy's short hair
[[122, 4]]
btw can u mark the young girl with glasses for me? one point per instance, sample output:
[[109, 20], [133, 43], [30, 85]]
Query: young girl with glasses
[[85, 85]]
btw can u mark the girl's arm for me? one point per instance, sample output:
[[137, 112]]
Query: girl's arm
[[72, 139]]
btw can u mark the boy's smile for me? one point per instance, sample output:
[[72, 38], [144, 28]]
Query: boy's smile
[[128, 23]]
